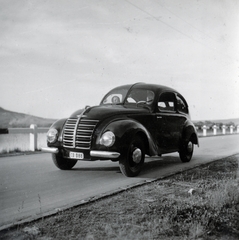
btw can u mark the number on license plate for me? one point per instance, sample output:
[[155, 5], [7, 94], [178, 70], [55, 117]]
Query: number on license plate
[[76, 155]]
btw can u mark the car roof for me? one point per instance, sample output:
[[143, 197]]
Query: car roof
[[158, 87]]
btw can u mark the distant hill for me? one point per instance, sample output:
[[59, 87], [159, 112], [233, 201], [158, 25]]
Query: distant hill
[[9, 119]]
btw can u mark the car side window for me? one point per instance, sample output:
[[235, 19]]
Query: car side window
[[181, 105], [166, 102]]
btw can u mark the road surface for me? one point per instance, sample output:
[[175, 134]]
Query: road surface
[[31, 186]]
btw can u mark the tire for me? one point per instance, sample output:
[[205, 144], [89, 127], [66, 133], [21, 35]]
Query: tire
[[63, 163], [132, 161], [186, 151]]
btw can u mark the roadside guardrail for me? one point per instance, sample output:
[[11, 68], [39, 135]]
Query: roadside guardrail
[[33, 131]]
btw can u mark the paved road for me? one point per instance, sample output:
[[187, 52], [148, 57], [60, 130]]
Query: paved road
[[30, 185]]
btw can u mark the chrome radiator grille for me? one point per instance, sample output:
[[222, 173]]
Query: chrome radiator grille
[[78, 133]]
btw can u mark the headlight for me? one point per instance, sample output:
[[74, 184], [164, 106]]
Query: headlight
[[107, 139], [52, 135]]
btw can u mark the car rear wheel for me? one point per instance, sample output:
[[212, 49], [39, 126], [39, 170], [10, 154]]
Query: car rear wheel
[[132, 161], [186, 151], [63, 163]]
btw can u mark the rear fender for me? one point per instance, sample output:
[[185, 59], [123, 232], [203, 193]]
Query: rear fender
[[190, 133]]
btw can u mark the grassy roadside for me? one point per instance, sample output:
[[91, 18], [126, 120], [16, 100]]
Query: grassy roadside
[[202, 203]]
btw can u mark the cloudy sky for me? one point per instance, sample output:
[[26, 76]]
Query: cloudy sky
[[57, 56]]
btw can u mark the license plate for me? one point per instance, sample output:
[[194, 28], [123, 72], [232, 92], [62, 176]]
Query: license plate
[[76, 155]]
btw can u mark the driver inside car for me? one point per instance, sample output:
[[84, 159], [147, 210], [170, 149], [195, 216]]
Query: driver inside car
[[150, 97]]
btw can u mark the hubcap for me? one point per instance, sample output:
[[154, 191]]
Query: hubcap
[[190, 147], [137, 155]]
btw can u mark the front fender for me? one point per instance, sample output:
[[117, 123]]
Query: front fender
[[125, 130], [58, 125]]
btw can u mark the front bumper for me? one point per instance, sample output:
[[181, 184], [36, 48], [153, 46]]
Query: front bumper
[[50, 150], [104, 154], [93, 153]]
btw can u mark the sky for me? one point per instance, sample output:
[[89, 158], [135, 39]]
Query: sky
[[57, 56]]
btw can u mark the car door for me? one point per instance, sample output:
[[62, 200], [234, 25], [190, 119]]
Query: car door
[[168, 121]]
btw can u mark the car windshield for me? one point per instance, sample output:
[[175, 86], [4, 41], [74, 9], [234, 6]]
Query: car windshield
[[129, 96], [140, 96], [116, 96]]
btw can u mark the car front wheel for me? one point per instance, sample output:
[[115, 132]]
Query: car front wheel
[[63, 163], [186, 151], [132, 161]]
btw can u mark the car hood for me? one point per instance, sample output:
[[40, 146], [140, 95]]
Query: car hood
[[104, 111]]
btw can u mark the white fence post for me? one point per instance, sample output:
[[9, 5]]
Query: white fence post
[[237, 128], [224, 127], [204, 128], [215, 127], [33, 137], [231, 129]]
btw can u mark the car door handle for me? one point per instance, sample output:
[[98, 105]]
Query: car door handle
[[158, 117]]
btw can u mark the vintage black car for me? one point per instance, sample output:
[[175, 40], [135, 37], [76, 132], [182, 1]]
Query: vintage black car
[[130, 122]]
